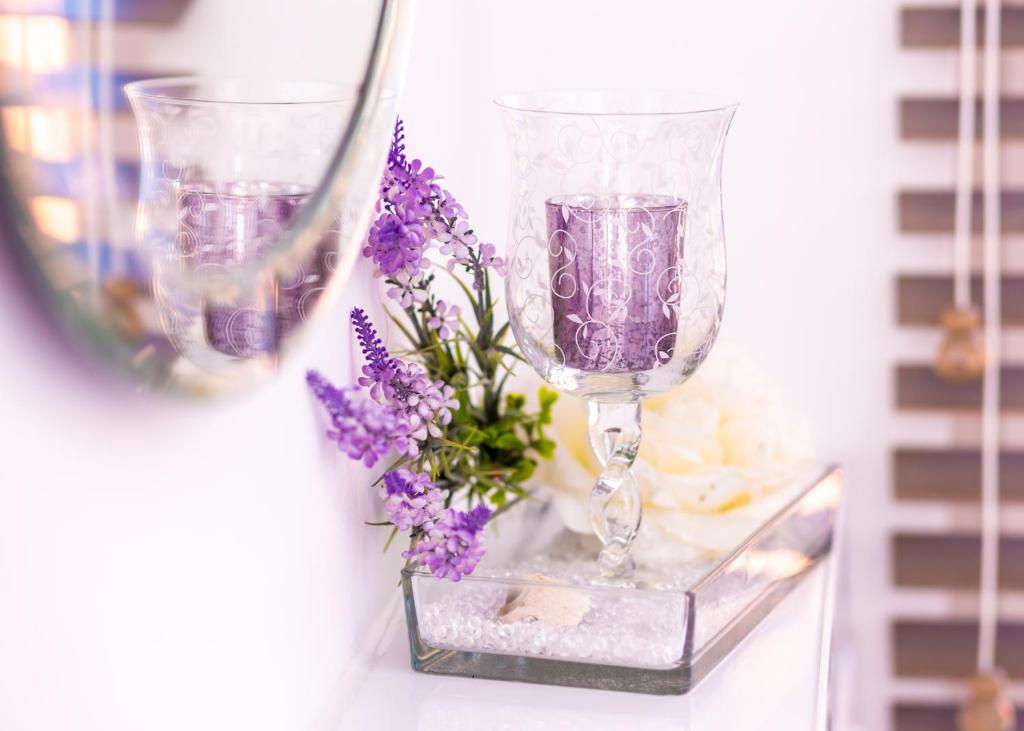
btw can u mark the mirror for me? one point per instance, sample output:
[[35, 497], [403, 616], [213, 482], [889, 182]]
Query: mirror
[[186, 182]]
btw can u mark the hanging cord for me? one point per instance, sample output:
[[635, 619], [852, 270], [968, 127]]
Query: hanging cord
[[988, 708], [965, 154], [961, 354], [990, 441]]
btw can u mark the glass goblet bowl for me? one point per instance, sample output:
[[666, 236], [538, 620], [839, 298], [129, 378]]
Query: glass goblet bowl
[[616, 262]]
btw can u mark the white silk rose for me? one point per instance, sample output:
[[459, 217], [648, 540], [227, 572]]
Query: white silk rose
[[717, 455]]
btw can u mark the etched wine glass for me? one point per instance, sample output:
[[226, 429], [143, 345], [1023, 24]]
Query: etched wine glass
[[616, 259]]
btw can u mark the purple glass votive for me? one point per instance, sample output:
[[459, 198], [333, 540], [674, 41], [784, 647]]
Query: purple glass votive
[[614, 279], [220, 225]]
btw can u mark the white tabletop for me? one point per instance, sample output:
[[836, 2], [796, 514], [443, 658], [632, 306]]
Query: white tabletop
[[771, 681]]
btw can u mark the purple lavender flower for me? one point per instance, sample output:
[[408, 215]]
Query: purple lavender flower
[[406, 386], [426, 403], [363, 429], [413, 210], [445, 319], [380, 367], [453, 547], [411, 499]]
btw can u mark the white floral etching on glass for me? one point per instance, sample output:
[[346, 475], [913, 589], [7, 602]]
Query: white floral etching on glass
[[616, 251]]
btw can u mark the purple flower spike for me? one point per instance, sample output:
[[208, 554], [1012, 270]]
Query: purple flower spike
[[411, 499], [363, 430], [396, 155], [454, 546], [380, 366], [414, 211], [405, 386]]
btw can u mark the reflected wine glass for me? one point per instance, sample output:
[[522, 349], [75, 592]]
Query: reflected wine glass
[[218, 309], [616, 258], [227, 167]]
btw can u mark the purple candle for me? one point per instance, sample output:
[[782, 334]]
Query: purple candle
[[614, 279], [226, 224]]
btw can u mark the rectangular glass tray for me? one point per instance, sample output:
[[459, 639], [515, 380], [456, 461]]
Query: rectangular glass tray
[[660, 632]]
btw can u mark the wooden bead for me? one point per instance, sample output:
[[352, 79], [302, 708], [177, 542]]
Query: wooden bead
[[961, 356], [987, 708]]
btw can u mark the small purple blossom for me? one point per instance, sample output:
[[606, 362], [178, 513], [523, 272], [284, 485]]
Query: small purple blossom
[[396, 242], [456, 241], [445, 319], [411, 499], [426, 403], [488, 258], [363, 429], [453, 547], [409, 291], [414, 184], [449, 207]]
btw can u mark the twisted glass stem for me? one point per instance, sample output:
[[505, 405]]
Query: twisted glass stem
[[615, 505]]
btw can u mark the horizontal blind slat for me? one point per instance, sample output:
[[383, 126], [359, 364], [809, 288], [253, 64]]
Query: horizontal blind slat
[[939, 26], [952, 475], [951, 561], [936, 118], [931, 211], [920, 387], [947, 649], [921, 299]]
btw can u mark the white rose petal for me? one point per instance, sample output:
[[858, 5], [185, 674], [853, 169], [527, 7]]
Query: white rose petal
[[715, 455]]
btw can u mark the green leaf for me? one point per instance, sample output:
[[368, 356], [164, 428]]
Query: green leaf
[[508, 440], [524, 469], [510, 352], [502, 331], [464, 415], [545, 448], [547, 399], [391, 537]]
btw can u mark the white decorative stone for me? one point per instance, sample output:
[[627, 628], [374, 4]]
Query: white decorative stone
[[559, 606]]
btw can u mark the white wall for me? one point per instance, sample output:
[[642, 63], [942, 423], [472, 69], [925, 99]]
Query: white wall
[[177, 565], [174, 565]]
